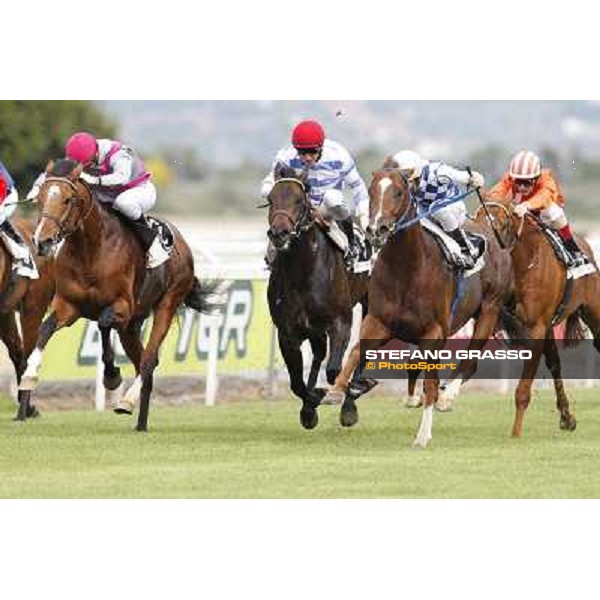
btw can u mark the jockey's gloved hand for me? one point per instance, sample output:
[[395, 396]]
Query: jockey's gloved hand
[[90, 179], [476, 180], [521, 209]]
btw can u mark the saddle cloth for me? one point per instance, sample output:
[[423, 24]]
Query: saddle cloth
[[363, 260], [165, 233], [450, 248]]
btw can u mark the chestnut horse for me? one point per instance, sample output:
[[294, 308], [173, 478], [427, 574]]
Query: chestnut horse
[[30, 297], [541, 303], [100, 274], [413, 293], [310, 293]]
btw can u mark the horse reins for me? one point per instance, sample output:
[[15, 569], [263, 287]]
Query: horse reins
[[73, 201], [304, 222]]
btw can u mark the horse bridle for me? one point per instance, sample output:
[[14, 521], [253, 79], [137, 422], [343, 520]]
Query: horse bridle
[[74, 201], [518, 232], [306, 219]]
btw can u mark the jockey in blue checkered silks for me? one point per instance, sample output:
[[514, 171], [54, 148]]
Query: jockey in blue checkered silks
[[434, 181], [331, 171]]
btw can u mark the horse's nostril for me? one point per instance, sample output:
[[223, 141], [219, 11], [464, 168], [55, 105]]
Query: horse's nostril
[[382, 229]]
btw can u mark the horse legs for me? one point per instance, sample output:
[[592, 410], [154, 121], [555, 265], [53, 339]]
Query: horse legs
[[485, 325], [371, 329], [132, 344], [432, 340], [163, 316], [63, 314], [567, 420], [318, 343], [290, 350], [412, 400], [339, 336], [537, 336]]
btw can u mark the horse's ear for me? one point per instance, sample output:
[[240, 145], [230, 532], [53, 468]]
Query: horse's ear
[[76, 172], [279, 170], [50, 167]]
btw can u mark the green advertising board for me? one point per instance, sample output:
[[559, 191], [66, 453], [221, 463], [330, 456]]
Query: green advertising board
[[244, 341]]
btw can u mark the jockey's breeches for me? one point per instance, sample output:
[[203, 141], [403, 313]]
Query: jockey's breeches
[[137, 201], [452, 216], [554, 216]]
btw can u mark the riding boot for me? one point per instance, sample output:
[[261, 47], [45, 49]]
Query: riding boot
[[578, 258], [347, 227], [150, 242], [467, 261]]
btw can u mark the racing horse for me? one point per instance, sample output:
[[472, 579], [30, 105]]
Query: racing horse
[[310, 293], [100, 274], [415, 296], [30, 298], [545, 297]]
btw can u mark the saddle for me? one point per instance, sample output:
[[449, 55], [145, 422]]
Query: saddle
[[363, 251], [451, 250]]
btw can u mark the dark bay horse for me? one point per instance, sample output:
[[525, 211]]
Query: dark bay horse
[[540, 282], [412, 292], [30, 298], [100, 274], [310, 293]]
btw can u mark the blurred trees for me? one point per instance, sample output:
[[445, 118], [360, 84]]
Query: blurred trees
[[33, 131]]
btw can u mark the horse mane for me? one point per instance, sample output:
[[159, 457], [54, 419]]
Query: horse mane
[[62, 167]]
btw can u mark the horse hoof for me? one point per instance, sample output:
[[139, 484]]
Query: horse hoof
[[142, 428], [361, 387], [444, 405], [315, 396], [309, 418], [414, 401], [348, 416], [568, 424], [123, 407], [333, 397], [33, 412]]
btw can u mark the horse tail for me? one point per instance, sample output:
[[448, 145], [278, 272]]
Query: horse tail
[[512, 326], [574, 330], [206, 297]]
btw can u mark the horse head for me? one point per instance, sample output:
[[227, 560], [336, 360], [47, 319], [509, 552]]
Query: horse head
[[290, 210], [64, 201], [502, 211], [389, 202]]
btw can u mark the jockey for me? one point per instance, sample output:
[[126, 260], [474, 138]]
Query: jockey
[[534, 189], [23, 263], [330, 169], [433, 182], [118, 177]]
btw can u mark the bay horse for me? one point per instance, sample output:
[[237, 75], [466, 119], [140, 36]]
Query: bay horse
[[310, 293], [30, 298], [101, 275], [542, 301], [413, 292]]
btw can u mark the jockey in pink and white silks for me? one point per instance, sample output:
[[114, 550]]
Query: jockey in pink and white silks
[[331, 170], [118, 177], [23, 263], [434, 181]]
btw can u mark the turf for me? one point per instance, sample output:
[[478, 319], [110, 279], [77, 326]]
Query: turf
[[259, 450]]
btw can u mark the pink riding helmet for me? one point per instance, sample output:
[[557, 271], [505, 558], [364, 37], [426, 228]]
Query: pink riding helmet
[[81, 147]]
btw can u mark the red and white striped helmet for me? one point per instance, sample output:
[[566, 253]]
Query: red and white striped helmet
[[525, 165]]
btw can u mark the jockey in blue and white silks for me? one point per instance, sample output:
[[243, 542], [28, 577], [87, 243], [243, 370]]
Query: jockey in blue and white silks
[[331, 170], [435, 181]]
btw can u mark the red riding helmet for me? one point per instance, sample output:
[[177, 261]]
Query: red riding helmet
[[81, 147], [308, 134]]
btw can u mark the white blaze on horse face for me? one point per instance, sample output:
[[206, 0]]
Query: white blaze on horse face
[[384, 184], [53, 191]]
